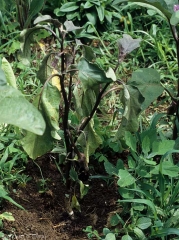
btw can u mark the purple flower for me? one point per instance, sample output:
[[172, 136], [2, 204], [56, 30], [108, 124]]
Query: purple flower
[[176, 8]]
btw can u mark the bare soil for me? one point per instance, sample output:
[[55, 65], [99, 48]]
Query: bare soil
[[45, 217]]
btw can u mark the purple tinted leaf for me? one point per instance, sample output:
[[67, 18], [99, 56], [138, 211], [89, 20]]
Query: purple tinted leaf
[[127, 44]]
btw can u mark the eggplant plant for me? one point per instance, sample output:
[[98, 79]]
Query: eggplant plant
[[73, 86]]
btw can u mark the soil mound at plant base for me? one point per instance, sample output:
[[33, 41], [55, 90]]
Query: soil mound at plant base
[[44, 216]]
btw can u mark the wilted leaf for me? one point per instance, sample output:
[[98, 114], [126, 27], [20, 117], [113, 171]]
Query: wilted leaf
[[47, 19], [50, 104], [45, 69], [90, 74], [36, 146], [132, 101], [27, 37], [16, 110], [70, 26], [147, 81]]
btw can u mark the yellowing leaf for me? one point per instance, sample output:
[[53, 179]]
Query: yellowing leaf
[[42, 46], [56, 80]]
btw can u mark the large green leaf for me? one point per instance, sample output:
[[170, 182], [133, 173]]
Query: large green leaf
[[90, 74], [9, 74], [147, 81], [16, 110], [50, 104]]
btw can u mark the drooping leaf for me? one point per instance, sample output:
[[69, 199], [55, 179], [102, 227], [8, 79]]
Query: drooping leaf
[[47, 19], [16, 110], [147, 81], [45, 70], [70, 26], [88, 53], [9, 74], [36, 146], [27, 37], [127, 44], [50, 104], [132, 101], [90, 74], [91, 140]]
